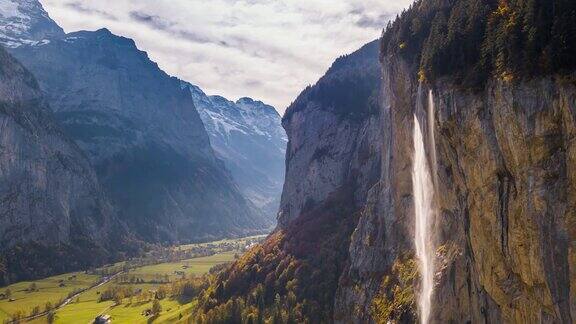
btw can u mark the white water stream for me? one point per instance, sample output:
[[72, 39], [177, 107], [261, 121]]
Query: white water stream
[[423, 188]]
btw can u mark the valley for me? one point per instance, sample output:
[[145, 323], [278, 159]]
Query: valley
[[125, 290], [428, 176]]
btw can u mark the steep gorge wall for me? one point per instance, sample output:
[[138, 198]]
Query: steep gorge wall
[[505, 227], [52, 208], [506, 219], [504, 142]]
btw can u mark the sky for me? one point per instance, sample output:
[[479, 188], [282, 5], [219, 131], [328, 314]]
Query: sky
[[268, 50]]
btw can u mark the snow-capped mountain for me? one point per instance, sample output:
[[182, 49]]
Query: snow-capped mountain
[[248, 136], [138, 128], [26, 22]]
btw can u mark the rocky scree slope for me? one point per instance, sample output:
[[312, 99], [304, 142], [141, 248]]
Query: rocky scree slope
[[52, 208], [248, 136]]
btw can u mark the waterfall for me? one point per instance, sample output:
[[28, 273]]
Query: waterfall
[[423, 190]]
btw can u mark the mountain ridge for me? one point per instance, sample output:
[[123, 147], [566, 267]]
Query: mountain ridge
[[248, 136], [140, 131]]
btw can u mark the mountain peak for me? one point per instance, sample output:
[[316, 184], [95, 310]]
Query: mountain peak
[[26, 22], [250, 105]]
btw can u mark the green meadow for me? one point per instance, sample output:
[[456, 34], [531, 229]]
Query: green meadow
[[50, 290], [88, 304]]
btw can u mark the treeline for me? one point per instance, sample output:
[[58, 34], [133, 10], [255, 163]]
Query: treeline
[[474, 40]]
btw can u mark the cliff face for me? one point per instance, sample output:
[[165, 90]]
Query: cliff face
[[49, 192], [505, 228], [144, 136], [331, 129], [505, 181], [504, 173], [332, 160]]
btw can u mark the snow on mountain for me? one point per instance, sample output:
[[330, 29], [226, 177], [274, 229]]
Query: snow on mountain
[[26, 22], [248, 136]]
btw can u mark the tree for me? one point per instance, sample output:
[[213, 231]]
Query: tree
[[51, 317], [35, 311], [33, 287], [156, 307], [8, 293]]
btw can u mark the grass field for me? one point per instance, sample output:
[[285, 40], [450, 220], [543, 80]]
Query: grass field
[[195, 266], [48, 290], [84, 308], [87, 305]]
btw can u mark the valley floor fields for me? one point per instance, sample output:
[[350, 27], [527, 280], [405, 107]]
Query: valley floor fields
[[126, 291]]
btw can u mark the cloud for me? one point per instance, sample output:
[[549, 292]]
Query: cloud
[[265, 49], [79, 7]]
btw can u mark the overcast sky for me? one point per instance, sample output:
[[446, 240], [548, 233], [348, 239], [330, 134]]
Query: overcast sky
[[265, 49]]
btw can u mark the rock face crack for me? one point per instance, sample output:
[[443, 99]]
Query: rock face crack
[[505, 189]]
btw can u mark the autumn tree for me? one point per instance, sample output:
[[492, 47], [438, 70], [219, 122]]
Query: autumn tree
[[156, 307]]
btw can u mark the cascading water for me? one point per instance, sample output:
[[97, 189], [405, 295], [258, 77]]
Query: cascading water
[[423, 190]]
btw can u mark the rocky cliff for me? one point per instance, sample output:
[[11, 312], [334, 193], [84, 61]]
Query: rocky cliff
[[504, 180], [333, 160], [52, 207], [504, 131], [248, 136]]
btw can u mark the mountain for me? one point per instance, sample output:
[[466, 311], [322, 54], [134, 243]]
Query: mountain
[[143, 135], [332, 162], [501, 77], [248, 136], [26, 22], [54, 215]]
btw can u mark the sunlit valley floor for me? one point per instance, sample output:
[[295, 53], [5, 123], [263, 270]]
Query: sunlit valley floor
[[125, 291]]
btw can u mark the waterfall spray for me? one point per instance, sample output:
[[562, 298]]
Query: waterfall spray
[[423, 190]]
